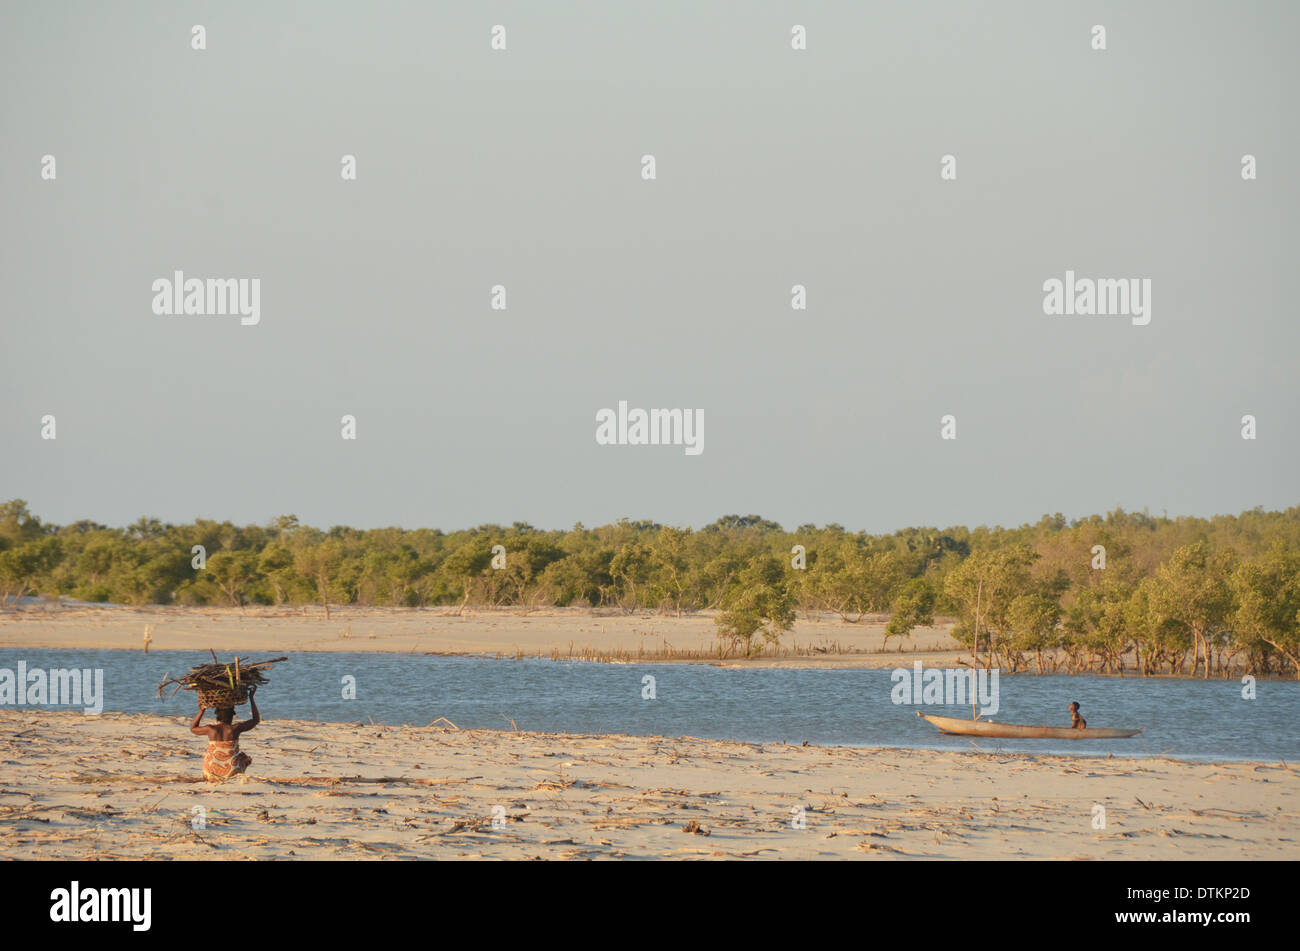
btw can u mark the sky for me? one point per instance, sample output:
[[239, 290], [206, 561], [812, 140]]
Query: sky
[[523, 168]]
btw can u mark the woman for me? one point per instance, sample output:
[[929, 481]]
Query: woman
[[223, 758]]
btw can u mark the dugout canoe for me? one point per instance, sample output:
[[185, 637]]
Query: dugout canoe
[[959, 727]]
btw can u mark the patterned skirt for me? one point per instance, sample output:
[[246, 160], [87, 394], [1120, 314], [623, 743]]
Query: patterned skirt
[[224, 760]]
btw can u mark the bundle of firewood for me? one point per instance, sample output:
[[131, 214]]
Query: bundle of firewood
[[221, 685]]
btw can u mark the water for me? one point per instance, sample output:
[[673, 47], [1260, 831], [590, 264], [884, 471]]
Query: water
[[1192, 719]]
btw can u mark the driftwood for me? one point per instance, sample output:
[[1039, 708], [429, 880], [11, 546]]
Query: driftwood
[[217, 676], [159, 779]]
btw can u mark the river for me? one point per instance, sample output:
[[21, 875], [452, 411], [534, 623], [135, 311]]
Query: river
[[1185, 718]]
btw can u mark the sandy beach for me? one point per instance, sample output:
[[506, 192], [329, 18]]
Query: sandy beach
[[555, 632], [128, 785], [123, 786]]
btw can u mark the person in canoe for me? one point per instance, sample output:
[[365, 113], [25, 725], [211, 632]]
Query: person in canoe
[[223, 758], [1076, 721]]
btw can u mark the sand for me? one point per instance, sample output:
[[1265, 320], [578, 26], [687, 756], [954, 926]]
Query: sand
[[828, 642], [127, 786]]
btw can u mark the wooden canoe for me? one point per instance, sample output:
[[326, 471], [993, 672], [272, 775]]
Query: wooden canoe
[[958, 727]]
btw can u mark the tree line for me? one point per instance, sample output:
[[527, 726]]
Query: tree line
[[1113, 593]]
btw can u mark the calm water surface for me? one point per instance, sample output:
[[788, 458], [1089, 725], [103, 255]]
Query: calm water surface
[[1192, 719]]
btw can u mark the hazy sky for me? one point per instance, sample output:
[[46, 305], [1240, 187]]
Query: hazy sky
[[523, 168]]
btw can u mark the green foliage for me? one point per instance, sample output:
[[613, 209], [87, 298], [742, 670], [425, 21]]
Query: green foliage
[[757, 605], [1267, 616], [1192, 593], [984, 587], [1173, 592], [913, 607]]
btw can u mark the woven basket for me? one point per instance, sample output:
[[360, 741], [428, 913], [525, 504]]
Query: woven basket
[[222, 696]]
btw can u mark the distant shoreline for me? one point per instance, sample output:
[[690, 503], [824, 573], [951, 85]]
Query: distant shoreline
[[507, 634], [554, 633]]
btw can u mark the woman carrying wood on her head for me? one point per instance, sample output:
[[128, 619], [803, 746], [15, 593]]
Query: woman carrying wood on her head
[[223, 758]]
